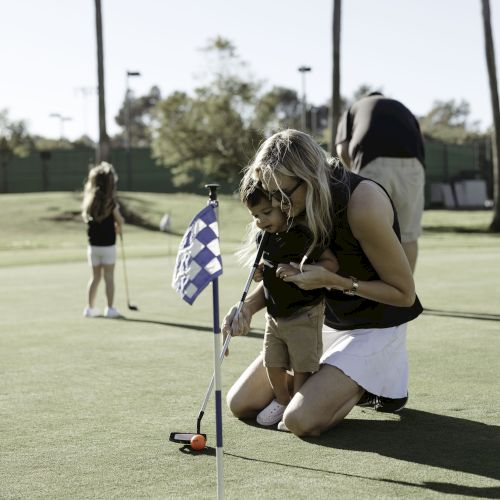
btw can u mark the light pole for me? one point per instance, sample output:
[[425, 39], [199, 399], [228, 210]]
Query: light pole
[[62, 119], [129, 138], [303, 70]]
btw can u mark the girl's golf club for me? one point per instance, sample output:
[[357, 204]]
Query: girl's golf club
[[130, 306], [185, 437]]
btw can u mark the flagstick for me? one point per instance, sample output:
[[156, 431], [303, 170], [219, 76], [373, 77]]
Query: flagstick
[[219, 454]]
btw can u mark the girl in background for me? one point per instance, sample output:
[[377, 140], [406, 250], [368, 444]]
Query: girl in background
[[101, 213]]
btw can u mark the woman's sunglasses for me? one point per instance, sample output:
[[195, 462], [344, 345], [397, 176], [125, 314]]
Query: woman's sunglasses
[[280, 196]]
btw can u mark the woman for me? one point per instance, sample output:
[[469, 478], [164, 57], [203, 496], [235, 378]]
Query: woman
[[370, 299]]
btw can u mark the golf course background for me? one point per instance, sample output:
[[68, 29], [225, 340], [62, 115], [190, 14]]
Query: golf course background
[[87, 405]]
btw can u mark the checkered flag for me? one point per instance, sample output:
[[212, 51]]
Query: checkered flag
[[198, 261]]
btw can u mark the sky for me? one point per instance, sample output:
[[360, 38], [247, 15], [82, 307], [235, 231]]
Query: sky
[[416, 51]]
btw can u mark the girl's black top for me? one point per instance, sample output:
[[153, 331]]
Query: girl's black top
[[345, 312], [102, 234]]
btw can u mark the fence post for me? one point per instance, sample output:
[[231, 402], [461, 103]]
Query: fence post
[[5, 175], [445, 163], [45, 157]]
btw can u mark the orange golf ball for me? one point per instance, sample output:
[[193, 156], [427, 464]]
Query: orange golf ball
[[198, 442]]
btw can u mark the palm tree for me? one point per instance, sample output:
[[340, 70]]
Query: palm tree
[[335, 106], [103, 148], [492, 74]]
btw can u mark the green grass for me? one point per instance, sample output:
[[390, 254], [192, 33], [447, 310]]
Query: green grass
[[86, 405]]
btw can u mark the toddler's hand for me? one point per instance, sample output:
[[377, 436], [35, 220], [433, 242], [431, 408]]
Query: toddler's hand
[[259, 273], [286, 270]]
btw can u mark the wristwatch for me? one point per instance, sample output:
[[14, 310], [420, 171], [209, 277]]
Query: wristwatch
[[354, 288]]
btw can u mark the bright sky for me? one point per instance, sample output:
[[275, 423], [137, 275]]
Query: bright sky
[[417, 51]]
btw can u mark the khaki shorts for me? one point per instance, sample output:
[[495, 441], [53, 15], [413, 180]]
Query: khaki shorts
[[295, 342], [404, 180]]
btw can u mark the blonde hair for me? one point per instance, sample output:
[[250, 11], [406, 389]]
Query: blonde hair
[[295, 154], [99, 192]]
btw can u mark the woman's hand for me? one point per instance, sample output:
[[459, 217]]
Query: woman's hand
[[312, 275], [236, 325]]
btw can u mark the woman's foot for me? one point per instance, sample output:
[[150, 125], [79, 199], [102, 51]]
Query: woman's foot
[[271, 414], [282, 427], [382, 404]]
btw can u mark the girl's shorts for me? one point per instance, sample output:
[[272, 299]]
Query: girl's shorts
[[101, 256]]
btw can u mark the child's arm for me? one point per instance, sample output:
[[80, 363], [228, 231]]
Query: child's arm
[[329, 261], [119, 220]]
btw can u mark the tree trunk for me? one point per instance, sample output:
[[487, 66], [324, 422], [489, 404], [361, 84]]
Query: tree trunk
[[335, 105], [103, 147], [492, 75]]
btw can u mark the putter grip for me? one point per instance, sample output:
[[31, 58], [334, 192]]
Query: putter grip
[[260, 251]]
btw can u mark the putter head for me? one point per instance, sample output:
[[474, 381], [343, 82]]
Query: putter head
[[184, 437], [132, 308]]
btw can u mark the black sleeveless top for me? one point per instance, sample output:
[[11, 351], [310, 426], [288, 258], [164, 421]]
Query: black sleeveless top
[[284, 299], [102, 234], [345, 312]]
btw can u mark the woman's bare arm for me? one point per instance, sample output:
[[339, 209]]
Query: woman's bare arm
[[370, 217]]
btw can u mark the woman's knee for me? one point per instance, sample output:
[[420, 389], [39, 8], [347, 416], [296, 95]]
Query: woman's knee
[[301, 422], [242, 403], [236, 403]]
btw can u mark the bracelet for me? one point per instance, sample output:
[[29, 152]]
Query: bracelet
[[354, 288]]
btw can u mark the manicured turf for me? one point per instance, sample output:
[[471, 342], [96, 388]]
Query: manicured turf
[[86, 405]]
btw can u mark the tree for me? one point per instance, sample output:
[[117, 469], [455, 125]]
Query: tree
[[142, 117], [211, 134], [495, 109], [104, 148], [448, 121], [277, 109], [14, 141], [214, 133], [202, 135]]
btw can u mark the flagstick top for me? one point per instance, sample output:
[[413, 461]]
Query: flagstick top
[[213, 191]]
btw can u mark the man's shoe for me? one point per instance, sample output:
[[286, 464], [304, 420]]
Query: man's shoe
[[382, 404]]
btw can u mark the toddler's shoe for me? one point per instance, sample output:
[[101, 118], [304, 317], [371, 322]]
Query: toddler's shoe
[[91, 312], [111, 312], [271, 414]]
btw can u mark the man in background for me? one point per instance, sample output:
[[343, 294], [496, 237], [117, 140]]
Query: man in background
[[380, 139]]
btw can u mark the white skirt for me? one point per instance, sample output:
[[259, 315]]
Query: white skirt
[[376, 358]]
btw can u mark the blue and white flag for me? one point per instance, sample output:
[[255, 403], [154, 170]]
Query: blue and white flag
[[198, 261]]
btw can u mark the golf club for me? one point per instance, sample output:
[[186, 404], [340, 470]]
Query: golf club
[[130, 306], [185, 437]]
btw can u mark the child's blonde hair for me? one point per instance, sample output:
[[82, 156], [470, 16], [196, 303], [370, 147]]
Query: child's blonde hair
[[296, 154], [99, 192]]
